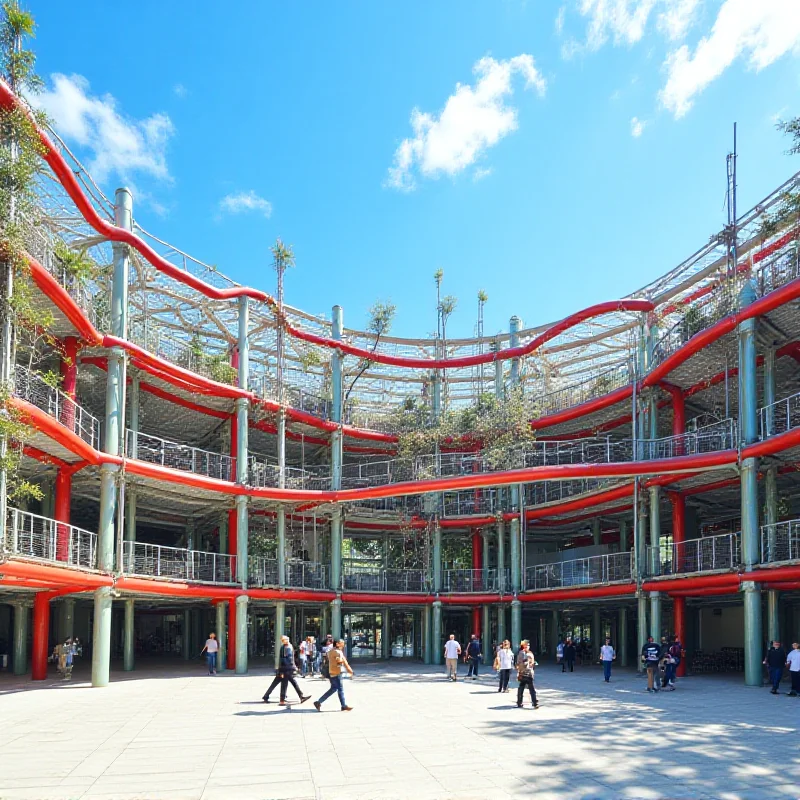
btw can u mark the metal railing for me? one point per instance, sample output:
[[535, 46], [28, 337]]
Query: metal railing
[[263, 571], [264, 472], [178, 563], [358, 579], [781, 416], [155, 450], [475, 580], [469, 501], [780, 541], [33, 536], [696, 555], [35, 390], [708, 439], [606, 568]]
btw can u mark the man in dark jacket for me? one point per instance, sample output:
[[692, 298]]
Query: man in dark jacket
[[674, 653], [569, 657], [284, 675], [775, 661], [473, 656], [525, 671], [651, 655]]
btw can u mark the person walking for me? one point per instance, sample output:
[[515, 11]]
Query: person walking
[[313, 655], [560, 653], [302, 651], [525, 670], [211, 649], [336, 663], [775, 661], [674, 654], [504, 664], [452, 650], [474, 656], [651, 655], [793, 662], [569, 657], [284, 675], [607, 655]]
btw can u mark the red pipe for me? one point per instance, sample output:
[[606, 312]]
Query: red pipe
[[41, 636], [689, 584], [45, 458], [299, 595], [472, 599], [546, 595], [476, 621], [59, 576], [387, 599], [61, 512]]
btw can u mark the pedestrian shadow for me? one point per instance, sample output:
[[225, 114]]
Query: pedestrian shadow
[[277, 711]]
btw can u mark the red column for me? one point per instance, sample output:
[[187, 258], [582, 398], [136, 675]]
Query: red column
[[41, 635], [231, 650], [69, 379], [61, 511], [679, 621], [476, 620]]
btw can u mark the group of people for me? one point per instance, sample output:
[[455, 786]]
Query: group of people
[[504, 663], [657, 656], [330, 660], [776, 659], [64, 654]]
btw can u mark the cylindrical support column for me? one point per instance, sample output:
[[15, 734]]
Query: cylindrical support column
[[61, 511], [220, 631], [437, 645], [515, 548], [130, 512], [19, 655], [325, 624], [436, 395], [514, 326], [128, 637], [655, 615], [679, 625], [486, 628], [231, 648], [500, 610], [541, 643], [596, 531], [753, 642], [475, 621], [769, 392], [437, 558], [101, 637], [41, 636], [336, 549], [336, 618], [242, 526], [386, 634], [516, 623], [773, 616], [485, 559], [622, 635], [66, 625], [241, 634], [337, 401], [499, 387], [280, 629], [655, 530], [556, 631], [641, 627], [501, 554], [426, 634], [596, 633], [640, 537], [186, 636], [281, 545], [623, 535]]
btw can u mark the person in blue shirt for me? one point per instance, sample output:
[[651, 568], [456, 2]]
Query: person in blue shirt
[[473, 656]]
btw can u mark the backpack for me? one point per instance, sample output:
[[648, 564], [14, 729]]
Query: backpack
[[675, 651], [325, 667]]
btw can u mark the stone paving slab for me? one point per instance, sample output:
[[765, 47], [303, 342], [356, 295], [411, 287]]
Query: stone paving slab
[[176, 734]]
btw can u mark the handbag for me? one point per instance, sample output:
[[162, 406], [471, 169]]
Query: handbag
[[496, 664]]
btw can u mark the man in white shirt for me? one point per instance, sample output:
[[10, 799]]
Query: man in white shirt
[[793, 662], [607, 655], [452, 650]]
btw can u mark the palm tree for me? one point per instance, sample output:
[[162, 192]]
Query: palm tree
[[282, 259], [482, 298]]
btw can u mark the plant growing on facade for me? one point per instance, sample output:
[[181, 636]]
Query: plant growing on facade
[[381, 317], [788, 209]]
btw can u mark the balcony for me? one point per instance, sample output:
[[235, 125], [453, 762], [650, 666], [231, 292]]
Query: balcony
[[780, 416], [32, 388], [707, 554], [184, 457], [263, 572], [31, 536], [606, 568], [476, 580], [780, 542], [360, 579], [708, 439], [176, 563]]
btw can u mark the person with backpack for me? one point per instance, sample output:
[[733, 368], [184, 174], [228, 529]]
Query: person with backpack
[[473, 656], [336, 663], [651, 655], [284, 675], [525, 670]]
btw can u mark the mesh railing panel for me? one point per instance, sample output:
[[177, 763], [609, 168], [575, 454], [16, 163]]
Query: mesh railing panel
[[160, 561], [32, 536], [780, 541], [606, 568], [184, 457], [781, 416], [475, 580], [696, 555]]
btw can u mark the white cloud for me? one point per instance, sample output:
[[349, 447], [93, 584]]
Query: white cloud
[[473, 119], [560, 19], [179, 90], [624, 20], [245, 202], [761, 31], [637, 127], [481, 173], [677, 18], [119, 145]]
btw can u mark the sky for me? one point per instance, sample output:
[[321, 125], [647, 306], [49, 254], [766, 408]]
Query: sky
[[553, 154]]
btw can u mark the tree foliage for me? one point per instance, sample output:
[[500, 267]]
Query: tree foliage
[[381, 317], [788, 209]]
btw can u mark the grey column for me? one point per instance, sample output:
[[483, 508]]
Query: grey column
[[516, 623], [336, 549], [655, 615], [426, 634], [596, 633], [19, 655], [556, 631], [623, 535], [486, 628], [501, 621], [280, 625], [641, 628], [101, 637], [437, 645], [437, 558], [281, 546], [501, 556], [241, 634], [596, 531], [66, 626], [336, 618], [221, 634], [186, 649], [128, 637], [386, 634], [622, 636]]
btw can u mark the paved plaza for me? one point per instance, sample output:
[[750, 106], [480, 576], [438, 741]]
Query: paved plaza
[[170, 732]]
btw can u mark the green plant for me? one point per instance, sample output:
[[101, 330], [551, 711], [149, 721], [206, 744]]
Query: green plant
[[788, 209], [381, 316], [76, 264]]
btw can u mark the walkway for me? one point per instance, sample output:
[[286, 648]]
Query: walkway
[[171, 734]]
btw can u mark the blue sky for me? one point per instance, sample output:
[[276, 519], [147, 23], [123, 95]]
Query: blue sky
[[583, 155]]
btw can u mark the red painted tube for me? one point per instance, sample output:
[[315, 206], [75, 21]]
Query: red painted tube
[[583, 409], [377, 598], [61, 512], [59, 576], [552, 595], [691, 583], [773, 574], [69, 366], [472, 599], [476, 620], [175, 588], [45, 458], [580, 503], [713, 591], [298, 595], [468, 522], [41, 633]]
